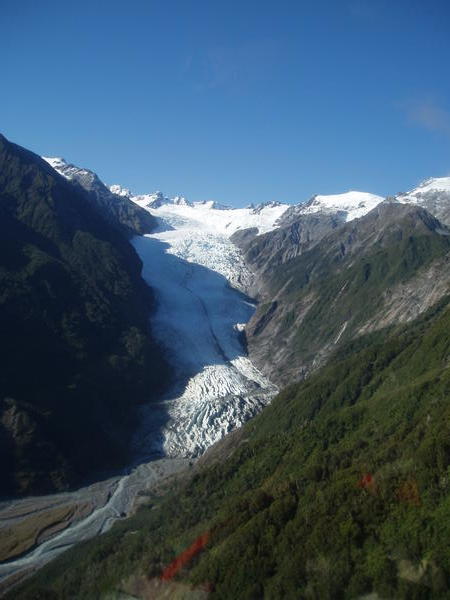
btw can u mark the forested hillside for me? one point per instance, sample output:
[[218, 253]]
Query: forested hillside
[[338, 489]]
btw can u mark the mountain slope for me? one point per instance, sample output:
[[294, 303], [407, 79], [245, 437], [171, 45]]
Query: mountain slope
[[118, 209], [76, 353], [264, 253], [433, 195], [345, 207], [349, 278], [298, 229], [338, 489]]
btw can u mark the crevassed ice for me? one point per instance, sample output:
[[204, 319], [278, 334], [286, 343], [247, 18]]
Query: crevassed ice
[[190, 263]]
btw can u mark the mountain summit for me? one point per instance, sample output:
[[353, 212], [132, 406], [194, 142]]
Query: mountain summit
[[345, 207]]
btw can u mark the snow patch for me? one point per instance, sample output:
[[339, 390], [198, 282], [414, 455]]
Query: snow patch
[[352, 205], [55, 162], [426, 188], [118, 190]]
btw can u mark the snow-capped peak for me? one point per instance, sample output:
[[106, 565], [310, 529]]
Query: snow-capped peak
[[434, 184], [259, 207], [154, 200], [351, 205], [55, 161], [118, 190], [210, 217], [212, 204], [87, 178], [180, 201], [157, 199], [433, 195]]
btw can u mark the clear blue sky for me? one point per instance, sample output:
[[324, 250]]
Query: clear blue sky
[[239, 101]]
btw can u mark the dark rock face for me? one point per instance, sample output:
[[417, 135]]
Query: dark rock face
[[76, 353]]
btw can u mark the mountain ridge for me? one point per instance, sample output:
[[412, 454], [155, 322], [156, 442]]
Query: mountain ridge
[[117, 208]]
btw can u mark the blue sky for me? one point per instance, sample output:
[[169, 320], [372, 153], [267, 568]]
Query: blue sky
[[238, 101]]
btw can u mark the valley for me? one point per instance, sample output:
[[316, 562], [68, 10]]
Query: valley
[[242, 302], [37, 529], [199, 280], [225, 301]]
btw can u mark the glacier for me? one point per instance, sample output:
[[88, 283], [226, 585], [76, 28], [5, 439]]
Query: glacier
[[199, 279]]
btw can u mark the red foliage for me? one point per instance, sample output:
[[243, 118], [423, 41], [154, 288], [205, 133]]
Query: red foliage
[[171, 570], [366, 481]]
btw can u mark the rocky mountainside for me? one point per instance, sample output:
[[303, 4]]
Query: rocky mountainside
[[117, 208], [342, 283], [345, 207], [433, 195], [302, 225], [298, 229], [324, 231], [76, 351], [263, 253]]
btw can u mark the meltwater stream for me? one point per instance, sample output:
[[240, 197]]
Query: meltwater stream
[[198, 320]]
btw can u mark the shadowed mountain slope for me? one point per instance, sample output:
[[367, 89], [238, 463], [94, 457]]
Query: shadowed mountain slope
[[76, 351]]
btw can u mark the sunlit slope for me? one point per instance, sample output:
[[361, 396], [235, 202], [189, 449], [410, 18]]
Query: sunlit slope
[[381, 269]]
